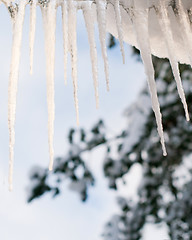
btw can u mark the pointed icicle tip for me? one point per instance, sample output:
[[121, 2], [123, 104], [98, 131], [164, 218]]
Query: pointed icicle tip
[[13, 82], [49, 21], [165, 25], [10, 188], [164, 153], [141, 28], [72, 35]]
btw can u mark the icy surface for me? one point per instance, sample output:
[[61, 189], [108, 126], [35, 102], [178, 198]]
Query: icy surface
[[89, 23], [65, 37], [101, 19], [32, 32], [72, 38], [162, 28], [49, 19], [13, 79], [140, 19], [166, 29], [119, 26]]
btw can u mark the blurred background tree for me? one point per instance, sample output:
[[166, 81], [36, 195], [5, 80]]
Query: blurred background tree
[[165, 191]]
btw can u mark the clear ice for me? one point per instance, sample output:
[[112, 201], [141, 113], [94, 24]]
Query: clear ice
[[161, 27]]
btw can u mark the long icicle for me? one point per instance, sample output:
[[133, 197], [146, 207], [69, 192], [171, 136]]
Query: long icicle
[[13, 80], [89, 23], [185, 28], [65, 37], [72, 25], [33, 6], [119, 27], [140, 20], [164, 23], [101, 19], [49, 19]]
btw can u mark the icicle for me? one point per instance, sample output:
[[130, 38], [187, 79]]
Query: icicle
[[119, 27], [140, 21], [65, 37], [49, 19], [89, 23], [165, 27], [101, 19], [186, 29], [32, 32], [13, 79], [72, 24]]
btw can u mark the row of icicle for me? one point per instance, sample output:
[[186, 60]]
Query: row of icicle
[[139, 17]]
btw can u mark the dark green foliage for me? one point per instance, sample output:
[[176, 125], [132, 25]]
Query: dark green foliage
[[72, 166], [164, 196], [112, 41]]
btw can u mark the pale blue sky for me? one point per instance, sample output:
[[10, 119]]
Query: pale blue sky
[[65, 217]]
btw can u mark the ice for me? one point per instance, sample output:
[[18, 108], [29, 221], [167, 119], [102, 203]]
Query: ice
[[185, 27], [162, 28], [49, 20], [165, 27], [72, 39], [101, 19], [32, 32], [89, 23], [65, 37], [140, 21], [13, 80], [119, 27]]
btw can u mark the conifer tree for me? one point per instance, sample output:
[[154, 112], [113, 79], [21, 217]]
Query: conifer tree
[[165, 192]]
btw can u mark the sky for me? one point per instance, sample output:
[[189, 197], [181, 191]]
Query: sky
[[65, 217]]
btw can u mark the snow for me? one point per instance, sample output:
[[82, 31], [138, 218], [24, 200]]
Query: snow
[[137, 116], [77, 186], [162, 28]]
